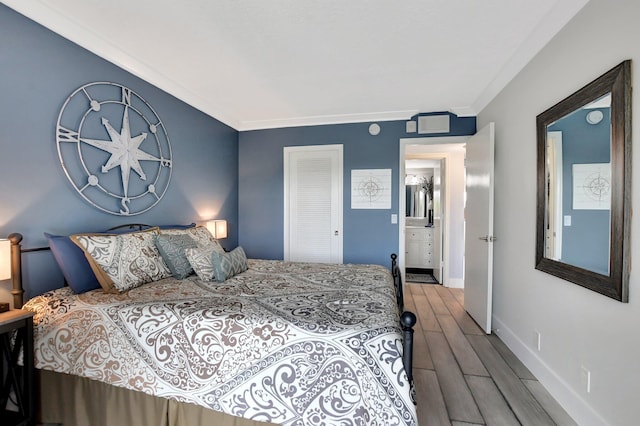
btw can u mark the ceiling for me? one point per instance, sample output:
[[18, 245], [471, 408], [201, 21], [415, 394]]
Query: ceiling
[[256, 64]]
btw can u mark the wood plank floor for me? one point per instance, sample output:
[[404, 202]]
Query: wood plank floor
[[464, 377]]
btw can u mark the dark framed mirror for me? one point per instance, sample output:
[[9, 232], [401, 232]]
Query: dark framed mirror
[[584, 185]]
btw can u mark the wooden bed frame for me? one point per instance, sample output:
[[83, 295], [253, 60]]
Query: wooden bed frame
[[407, 318]]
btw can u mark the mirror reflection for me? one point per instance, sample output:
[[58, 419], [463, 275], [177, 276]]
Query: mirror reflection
[[416, 201], [419, 196], [584, 186], [579, 187]]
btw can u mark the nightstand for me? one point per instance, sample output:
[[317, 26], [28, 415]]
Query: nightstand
[[17, 380]]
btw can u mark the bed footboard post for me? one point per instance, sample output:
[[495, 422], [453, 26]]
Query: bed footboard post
[[397, 281], [408, 320], [16, 269]]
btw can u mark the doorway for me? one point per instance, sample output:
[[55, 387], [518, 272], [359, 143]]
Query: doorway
[[446, 157], [313, 203]]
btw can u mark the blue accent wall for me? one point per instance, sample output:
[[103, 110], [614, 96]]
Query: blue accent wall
[[584, 143], [368, 235], [39, 69]]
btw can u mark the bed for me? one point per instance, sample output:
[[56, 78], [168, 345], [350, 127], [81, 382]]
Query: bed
[[280, 342]]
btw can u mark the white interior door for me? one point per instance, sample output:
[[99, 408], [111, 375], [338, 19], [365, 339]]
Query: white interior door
[[479, 238], [313, 203]]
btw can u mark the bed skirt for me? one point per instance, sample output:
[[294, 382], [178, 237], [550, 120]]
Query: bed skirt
[[77, 401]]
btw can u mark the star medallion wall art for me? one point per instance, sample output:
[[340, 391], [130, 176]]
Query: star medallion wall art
[[114, 149]]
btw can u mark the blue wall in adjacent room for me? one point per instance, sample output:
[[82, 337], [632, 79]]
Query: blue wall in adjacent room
[[39, 69], [368, 235]]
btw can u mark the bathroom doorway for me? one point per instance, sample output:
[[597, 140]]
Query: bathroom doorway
[[431, 237]]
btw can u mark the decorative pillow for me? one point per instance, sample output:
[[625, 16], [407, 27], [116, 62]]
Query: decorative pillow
[[171, 248], [124, 261], [226, 265], [73, 263], [200, 234], [200, 260]]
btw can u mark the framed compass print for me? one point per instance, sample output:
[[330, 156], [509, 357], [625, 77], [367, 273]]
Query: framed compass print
[[113, 148]]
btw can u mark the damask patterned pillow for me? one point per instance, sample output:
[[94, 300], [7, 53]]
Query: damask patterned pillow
[[171, 248], [200, 234], [200, 260], [226, 265], [125, 261]]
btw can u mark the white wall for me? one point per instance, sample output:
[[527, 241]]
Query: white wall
[[578, 327], [456, 216]]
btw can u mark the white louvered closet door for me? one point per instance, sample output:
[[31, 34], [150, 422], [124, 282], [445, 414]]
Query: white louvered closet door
[[313, 203]]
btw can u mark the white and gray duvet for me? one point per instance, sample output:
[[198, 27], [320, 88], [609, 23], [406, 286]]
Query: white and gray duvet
[[288, 343]]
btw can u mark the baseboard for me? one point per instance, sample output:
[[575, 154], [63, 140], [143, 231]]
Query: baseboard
[[571, 401], [455, 283]]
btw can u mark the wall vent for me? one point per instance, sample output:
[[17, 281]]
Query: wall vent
[[433, 124]]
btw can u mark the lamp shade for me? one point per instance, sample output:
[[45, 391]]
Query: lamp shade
[[218, 228], [5, 259]]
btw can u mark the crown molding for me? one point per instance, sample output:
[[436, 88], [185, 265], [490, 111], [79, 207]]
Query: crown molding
[[559, 15], [84, 37], [465, 111], [321, 120]]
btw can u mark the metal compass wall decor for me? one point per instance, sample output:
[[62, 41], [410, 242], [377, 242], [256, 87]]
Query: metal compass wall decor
[[114, 148]]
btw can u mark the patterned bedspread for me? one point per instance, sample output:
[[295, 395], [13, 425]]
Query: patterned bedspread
[[289, 343]]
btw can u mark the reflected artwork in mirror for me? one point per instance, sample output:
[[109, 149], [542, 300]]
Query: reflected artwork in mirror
[[584, 174]]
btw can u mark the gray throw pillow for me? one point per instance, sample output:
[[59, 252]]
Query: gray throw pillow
[[226, 265], [172, 249]]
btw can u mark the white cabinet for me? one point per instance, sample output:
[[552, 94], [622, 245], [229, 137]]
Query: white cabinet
[[419, 247]]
